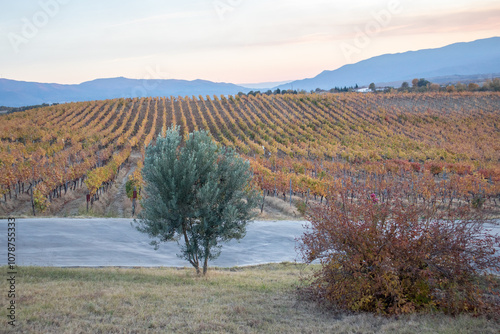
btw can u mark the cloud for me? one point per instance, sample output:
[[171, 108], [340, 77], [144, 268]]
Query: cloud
[[439, 23], [486, 19], [293, 36], [163, 17]]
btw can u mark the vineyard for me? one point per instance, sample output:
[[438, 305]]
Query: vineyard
[[441, 148]]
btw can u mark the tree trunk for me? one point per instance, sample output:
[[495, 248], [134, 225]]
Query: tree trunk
[[32, 200], [194, 261], [263, 199], [205, 265]]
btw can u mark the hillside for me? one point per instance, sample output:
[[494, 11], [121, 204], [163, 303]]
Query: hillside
[[20, 93], [472, 58], [442, 147]]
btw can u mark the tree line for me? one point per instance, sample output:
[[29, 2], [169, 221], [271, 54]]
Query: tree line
[[421, 85]]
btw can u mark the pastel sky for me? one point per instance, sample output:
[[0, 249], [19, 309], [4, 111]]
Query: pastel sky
[[239, 41]]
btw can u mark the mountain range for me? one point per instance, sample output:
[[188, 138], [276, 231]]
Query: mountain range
[[471, 58], [20, 93], [480, 58]]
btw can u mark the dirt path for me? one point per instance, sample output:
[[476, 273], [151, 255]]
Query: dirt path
[[117, 203]]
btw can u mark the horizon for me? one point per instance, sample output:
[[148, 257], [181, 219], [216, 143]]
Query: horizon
[[229, 41]]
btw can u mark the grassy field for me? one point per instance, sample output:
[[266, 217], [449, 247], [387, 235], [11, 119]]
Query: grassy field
[[261, 299]]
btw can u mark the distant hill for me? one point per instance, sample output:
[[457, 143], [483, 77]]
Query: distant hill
[[479, 59], [472, 58], [264, 85], [20, 93]]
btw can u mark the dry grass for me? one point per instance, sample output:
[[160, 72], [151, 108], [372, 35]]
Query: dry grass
[[258, 299], [275, 208]]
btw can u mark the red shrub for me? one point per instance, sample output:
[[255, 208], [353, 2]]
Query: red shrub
[[434, 167], [490, 173], [396, 258], [460, 169], [415, 166]]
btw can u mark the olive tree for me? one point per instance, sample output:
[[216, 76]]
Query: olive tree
[[196, 193]]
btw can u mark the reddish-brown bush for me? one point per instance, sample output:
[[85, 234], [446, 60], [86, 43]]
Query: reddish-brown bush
[[396, 257], [460, 169], [434, 167], [492, 173]]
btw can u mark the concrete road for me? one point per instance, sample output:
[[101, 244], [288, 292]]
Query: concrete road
[[62, 242]]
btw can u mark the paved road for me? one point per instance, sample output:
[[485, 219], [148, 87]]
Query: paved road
[[62, 242]]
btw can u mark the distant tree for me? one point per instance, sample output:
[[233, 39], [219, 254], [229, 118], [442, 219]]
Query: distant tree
[[12, 109], [372, 87], [414, 83], [434, 87], [343, 89], [472, 87], [450, 88], [405, 86], [196, 192], [423, 83], [495, 84], [492, 85], [460, 87], [277, 91]]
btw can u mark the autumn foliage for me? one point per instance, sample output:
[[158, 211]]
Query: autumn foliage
[[444, 147], [393, 257]]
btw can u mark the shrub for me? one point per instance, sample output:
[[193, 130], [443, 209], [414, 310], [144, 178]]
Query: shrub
[[131, 184], [477, 202], [301, 207], [434, 167], [395, 257], [40, 201], [415, 166]]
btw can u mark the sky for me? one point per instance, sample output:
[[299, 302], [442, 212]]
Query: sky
[[237, 41]]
